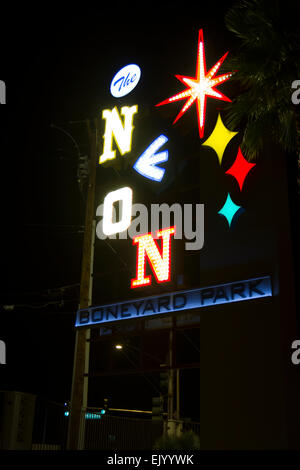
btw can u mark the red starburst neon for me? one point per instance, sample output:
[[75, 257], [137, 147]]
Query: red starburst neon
[[200, 87]]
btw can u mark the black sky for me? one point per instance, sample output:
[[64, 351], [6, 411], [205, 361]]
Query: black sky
[[57, 65]]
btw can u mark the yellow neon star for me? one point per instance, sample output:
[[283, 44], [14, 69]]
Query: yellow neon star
[[200, 87], [219, 138]]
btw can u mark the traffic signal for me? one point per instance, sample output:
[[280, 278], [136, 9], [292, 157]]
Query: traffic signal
[[67, 408], [82, 171], [157, 407], [83, 167], [105, 407], [164, 382]]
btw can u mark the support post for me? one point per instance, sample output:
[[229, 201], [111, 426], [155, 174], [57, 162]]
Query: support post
[[79, 391], [177, 394], [171, 378]]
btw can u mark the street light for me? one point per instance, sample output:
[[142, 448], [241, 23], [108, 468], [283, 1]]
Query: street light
[[120, 347]]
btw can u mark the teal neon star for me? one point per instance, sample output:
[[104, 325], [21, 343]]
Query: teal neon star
[[229, 209]]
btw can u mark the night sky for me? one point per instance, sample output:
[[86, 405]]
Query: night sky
[[58, 66]]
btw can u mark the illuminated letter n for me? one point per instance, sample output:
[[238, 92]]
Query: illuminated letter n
[[114, 127], [159, 263]]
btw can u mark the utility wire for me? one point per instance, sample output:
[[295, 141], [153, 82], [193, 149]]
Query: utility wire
[[70, 136], [38, 307], [191, 341], [145, 377], [46, 290], [54, 225], [119, 256]]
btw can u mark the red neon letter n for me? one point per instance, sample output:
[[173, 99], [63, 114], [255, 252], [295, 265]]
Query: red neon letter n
[[160, 264]]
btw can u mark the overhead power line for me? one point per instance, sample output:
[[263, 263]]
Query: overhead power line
[[55, 225], [38, 307], [45, 291]]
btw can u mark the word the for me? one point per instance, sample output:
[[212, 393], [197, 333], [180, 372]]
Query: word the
[[125, 80], [2, 352], [2, 92], [176, 301], [296, 354], [296, 94], [134, 219]]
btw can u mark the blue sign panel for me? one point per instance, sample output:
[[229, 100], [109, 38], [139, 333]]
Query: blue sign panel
[[125, 80], [176, 301]]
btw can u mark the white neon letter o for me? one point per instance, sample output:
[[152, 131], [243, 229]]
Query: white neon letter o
[[124, 195]]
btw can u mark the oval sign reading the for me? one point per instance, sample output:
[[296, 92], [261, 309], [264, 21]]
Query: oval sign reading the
[[125, 80]]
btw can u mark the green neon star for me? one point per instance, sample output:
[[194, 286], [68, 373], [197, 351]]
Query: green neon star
[[229, 209]]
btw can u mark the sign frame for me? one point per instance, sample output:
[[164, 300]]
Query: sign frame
[[178, 301]]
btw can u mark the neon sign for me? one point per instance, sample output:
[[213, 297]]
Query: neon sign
[[125, 80], [200, 87], [229, 209], [122, 133], [124, 195], [255, 288], [146, 163], [160, 263], [120, 130], [219, 138], [240, 169]]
